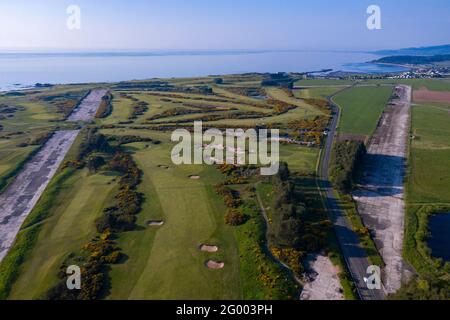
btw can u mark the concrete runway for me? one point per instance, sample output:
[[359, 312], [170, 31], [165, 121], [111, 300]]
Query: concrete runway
[[380, 194], [20, 197], [87, 109], [23, 193]]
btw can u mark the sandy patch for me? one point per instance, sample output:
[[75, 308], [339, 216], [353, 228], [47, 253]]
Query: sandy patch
[[425, 95], [322, 280], [194, 177], [155, 223], [211, 264], [208, 248]]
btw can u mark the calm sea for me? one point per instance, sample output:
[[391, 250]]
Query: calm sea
[[24, 69]]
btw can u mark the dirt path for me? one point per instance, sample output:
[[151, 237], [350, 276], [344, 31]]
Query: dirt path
[[380, 195], [323, 280], [20, 197]]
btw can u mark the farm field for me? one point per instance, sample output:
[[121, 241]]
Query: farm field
[[427, 190], [361, 109], [430, 155]]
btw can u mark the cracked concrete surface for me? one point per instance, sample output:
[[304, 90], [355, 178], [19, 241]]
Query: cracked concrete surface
[[380, 194], [21, 196], [88, 107]]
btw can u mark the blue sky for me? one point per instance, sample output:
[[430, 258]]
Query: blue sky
[[219, 24]]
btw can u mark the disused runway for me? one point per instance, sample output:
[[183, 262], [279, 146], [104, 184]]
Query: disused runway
[[86, 110], [380, 194], [20, 197]]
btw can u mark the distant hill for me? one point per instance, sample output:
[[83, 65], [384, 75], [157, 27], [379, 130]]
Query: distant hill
[[421, 51], [414, 59]]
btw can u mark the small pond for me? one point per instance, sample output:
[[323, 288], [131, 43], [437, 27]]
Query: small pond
[[439, 242]]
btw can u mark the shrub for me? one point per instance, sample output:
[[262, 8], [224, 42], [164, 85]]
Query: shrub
[[235, 217]]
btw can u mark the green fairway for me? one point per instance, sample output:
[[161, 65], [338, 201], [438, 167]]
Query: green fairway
[[165, 262], [361, 109], [305, 109]]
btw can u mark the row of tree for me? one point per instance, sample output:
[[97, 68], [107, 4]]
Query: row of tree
[[347, 158]]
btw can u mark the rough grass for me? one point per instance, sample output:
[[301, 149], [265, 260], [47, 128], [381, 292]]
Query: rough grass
[[67, 225], [316, 93]]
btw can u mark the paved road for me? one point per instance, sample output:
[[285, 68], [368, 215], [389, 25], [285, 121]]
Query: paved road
[[354, 255]]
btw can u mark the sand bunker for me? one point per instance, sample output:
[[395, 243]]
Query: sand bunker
[[155, 223], [194, 177], [211, 264], [208, 248]]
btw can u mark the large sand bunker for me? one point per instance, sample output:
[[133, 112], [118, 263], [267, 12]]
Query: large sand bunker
[[211, 264], [208, 248], [425, 95]]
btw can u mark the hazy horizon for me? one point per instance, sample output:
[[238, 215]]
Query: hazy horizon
[[176, 25]]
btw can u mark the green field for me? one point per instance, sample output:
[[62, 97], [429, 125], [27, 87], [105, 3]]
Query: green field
[[427, 189], [430, 155], [361, 109]]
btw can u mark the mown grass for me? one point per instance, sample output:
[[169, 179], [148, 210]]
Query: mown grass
[[429, 176], [361, 109], [165, 262]]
